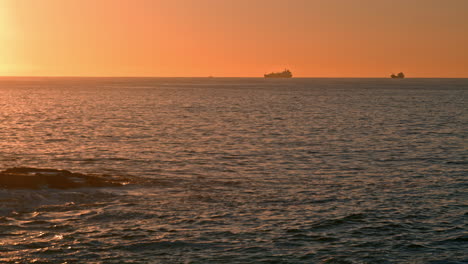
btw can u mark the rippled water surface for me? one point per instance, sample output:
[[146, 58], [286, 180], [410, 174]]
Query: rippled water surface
[[238, 170]]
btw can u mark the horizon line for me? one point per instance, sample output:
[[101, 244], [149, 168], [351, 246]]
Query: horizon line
[[218, 77]]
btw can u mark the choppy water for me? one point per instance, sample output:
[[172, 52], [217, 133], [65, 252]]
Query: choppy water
[[238, 170]]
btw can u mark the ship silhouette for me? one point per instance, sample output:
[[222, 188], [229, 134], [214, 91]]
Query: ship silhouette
[[284, 74], [398, 76]]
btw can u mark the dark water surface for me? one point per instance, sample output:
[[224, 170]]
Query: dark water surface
[[238, 170]]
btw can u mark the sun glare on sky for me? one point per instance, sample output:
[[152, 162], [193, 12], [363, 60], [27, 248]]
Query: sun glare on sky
[[4, 32], [314, 38]]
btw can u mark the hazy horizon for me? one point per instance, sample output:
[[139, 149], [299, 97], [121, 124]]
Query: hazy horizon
[[219, 77]]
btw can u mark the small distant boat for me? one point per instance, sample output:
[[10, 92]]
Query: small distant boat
[[398, 76], [284, 74]]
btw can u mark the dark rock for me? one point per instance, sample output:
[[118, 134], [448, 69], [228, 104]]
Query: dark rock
[[31, 178]]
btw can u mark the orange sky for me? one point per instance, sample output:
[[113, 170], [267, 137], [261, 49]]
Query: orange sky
[[314, 38]]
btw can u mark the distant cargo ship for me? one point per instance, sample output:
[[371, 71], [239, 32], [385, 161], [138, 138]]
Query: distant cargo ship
[[284, 74], [398, 76]]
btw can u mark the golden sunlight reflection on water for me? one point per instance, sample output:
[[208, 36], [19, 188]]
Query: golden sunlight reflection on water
[[237, 170]]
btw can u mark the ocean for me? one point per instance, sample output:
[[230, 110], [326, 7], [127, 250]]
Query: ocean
[[238, 170]]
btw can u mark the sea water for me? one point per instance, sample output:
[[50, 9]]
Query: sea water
[[238, 170]]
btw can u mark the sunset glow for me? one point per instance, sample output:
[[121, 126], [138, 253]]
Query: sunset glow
[[233, 131], [314, 38]]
